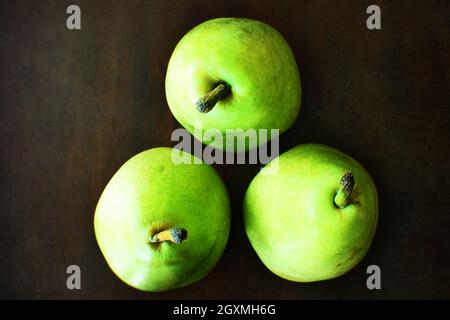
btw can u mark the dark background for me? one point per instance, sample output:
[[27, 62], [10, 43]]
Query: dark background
[[75, 105]]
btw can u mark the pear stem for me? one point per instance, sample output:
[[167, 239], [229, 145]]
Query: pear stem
[[175, 235], [209, 100], [346, 185]]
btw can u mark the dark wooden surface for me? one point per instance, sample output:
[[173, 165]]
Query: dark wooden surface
[[75, 105]]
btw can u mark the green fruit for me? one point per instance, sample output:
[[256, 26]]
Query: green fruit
[[233, 73], [162, 225], [313, 219]]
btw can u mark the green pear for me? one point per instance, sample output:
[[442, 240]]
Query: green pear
[[314, 218], [162, 225], [231, 74]]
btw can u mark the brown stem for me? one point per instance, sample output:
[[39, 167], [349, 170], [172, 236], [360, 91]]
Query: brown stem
[[175, 235], [346, 185], [209, 100]]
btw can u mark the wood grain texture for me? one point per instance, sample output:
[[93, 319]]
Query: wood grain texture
[[75, 105]]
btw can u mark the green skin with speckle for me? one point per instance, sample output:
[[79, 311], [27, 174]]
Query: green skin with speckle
[[293, 224], [253, 59], [149, 194]]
